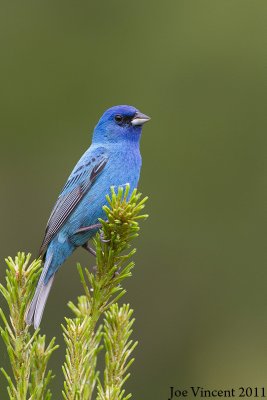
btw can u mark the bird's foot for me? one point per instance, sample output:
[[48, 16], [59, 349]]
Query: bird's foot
[[88, 228], [116, 273], [103, 240], [89, 249]]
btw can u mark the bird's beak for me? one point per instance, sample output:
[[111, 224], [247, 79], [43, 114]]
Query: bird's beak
[[139, 119]]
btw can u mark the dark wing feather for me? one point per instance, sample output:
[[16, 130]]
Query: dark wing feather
[[74, 190]]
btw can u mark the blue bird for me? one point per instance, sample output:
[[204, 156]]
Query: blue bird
[[113, 159]]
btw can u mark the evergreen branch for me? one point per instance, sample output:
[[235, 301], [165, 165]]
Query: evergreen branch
[[27, 353], [117, 330], [102, 289], [40, 358], [81, 356]]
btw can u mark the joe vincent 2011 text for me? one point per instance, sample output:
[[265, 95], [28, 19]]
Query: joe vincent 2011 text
[[200, 392]]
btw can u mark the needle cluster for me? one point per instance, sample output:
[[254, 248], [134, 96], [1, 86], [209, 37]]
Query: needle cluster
[[84, 336], [28, 353], [103, 288]]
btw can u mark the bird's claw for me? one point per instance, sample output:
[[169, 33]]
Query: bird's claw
[[89, 249], [103, 240], [117, 273]]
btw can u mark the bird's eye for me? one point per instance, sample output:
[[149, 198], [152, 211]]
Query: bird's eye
[[118, 118]]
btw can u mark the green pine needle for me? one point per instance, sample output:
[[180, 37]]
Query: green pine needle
[[117, 331], [103, 289], [28, 353]]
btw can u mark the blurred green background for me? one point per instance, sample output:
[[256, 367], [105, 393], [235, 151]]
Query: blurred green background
[[198, 68]]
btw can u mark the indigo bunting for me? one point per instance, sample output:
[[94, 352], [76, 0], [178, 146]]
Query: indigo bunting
[[113, 159]]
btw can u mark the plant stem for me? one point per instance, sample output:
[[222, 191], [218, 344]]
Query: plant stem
[[102, 289], [27, 353]]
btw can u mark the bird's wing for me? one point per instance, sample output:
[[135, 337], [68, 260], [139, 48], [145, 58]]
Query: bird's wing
[[78, 184]]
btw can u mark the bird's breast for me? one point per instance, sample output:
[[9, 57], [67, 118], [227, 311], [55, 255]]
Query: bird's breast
[[124, 167]]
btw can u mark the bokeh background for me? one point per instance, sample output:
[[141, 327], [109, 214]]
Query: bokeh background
[[198, 68]]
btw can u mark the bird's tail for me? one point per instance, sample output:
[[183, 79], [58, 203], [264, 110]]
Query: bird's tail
[[35, 311]]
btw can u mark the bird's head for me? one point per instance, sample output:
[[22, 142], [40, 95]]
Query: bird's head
[[120, 123]]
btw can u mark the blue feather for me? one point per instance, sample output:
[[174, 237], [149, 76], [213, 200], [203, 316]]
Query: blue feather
[[113, 159]]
